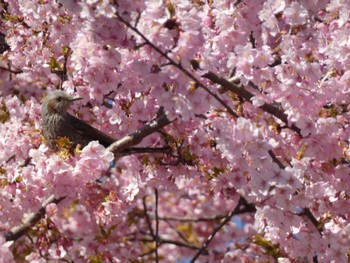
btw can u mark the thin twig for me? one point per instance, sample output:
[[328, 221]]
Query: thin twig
[[148, 220], [307, 213], [192, 219], [250, 208], [150, 252], [276, 160], [177, 65], [11, 70], [174, 242], [157, 224], [177, 231], [246, 207]]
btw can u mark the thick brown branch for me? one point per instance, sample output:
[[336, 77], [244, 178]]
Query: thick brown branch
[[177, 65], [246, 95], [119, 148], [216, 79], [18, 231], [141, 150], [136, 137]]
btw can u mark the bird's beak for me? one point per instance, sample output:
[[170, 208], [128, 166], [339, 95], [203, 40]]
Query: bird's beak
[[74, 99]]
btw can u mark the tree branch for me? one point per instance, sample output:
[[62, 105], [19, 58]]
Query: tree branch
[[148, 220], [157, 225], [140, 150], [136, 137], [173, 242], [269, 108], [276, 160], [246, 95], [307, 213], [190, 219], [18, 231], [119, 148], [177, 65], [202, 219], [177, 231], [11, 70], [246, 207]]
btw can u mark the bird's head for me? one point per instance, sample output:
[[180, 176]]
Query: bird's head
[[57, 102]]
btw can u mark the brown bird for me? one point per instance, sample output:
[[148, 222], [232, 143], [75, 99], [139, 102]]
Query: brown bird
[[58, 123]]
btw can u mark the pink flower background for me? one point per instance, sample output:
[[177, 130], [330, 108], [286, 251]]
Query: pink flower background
[[242, 183]]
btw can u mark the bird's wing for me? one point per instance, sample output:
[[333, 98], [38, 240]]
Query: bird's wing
[[89, 132]]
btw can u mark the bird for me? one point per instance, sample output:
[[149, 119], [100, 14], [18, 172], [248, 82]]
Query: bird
[[58, 123]]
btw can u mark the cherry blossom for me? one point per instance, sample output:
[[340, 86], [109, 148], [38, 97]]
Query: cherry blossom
[[252, 164]]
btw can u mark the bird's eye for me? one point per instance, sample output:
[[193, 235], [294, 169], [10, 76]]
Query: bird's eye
[[58, 99]]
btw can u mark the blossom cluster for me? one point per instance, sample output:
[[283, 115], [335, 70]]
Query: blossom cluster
[[256, 174]]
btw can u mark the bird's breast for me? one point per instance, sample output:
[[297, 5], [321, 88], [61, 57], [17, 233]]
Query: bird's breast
[[55, 125]]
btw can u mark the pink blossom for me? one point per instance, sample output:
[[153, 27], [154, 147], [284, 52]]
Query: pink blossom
[[278, 146], [51, 210], [57, 252], [6, 254], [295, 14]]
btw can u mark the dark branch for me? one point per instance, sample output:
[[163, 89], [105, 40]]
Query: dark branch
[[216, 79], [276, 160], [307, 213], [11, 70], [18, 231], [190, 219], [118, 147], [247, 96], [177, 65], [177, 231], [148, 220], [174, 242], [242, 207], [140, 150], [157, 225], [203, 219]]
